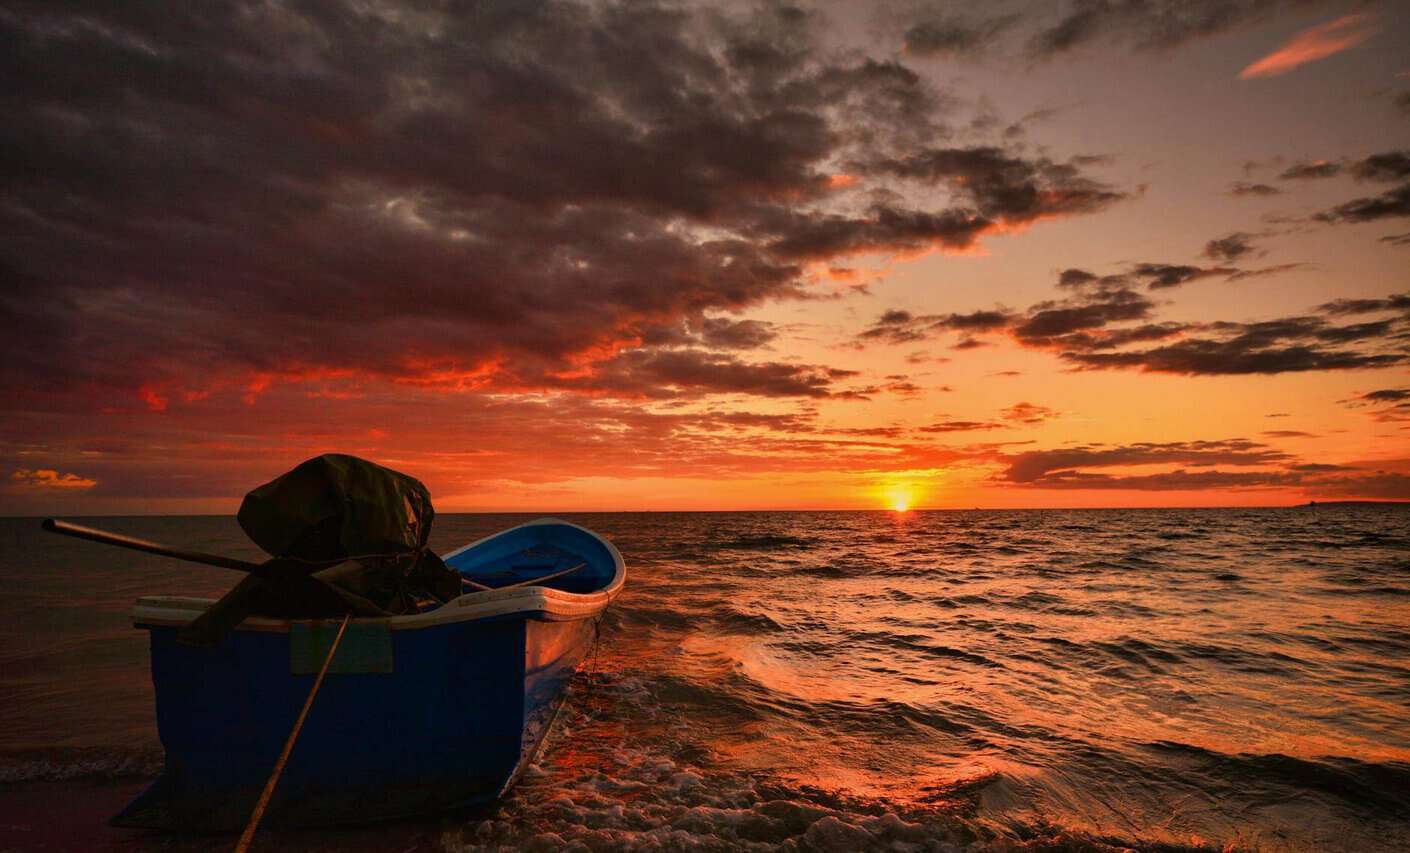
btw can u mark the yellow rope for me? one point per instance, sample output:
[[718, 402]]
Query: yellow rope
[[253, 825]]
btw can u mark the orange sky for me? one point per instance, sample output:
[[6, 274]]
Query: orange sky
[[621, 257]]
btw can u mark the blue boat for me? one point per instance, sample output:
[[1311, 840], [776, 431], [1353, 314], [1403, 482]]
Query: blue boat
[[421, 713]]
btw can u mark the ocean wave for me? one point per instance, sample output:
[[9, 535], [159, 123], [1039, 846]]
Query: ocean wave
[[767, 542], [77, 765]]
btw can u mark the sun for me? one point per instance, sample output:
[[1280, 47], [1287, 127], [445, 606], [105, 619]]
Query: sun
[[900, 498]]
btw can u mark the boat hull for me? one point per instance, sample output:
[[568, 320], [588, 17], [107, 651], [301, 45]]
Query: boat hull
[[418, 714], [463, 711]]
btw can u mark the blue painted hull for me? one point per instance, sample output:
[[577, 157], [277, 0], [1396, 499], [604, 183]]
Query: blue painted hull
[[464, 708]]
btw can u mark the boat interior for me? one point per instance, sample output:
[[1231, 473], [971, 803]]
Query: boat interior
[[547, 553]]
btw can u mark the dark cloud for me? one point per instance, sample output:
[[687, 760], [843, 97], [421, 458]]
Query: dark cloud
[[1160, 276], [1289, 345], [1103, 322], [1245, 188], [1392, 203], [1385, 168], [969, 343], [1150, 25], [1343, 307], [871, 432], [1384, 485], [1049, 321], [1073, 277], [961, 426], [1397, 239], [897, 327], [659, 374], [1386, 395], [1287, 433], [1264, 272], [1230, 247], [809, 236], [736, 334], [489, 196], [942, 35], [1177, 480], [1387, 405], [1044, 467], [790, 422], [1092, 330], [1402, 101], [1312, 170], [1198, 465], [1002, 186], [1028, 413]]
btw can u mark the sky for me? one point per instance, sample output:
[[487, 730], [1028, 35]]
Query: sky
[[574, 256]]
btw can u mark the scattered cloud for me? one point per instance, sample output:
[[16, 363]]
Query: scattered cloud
[[1104, 323], [1160, 276], [1198, 466], [962, 426], [1230, 247], [1313, 170], [969, 343], [1391, 204], [899, 327], [1028, 413], [1388, 405], [1066, 467], [1005, 189], [1264, 272], [1313, 44], [1246, 188], [662, 374], [941, 35], [1386, 167], [1153, 25], [48, 478]]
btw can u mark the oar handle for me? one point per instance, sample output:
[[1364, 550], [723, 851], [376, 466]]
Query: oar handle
[[94, 535]]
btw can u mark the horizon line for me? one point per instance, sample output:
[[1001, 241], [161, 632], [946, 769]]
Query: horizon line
[[888, 510]]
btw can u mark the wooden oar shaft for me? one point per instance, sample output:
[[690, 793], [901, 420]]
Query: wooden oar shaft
[[249, 834], [94, 535]]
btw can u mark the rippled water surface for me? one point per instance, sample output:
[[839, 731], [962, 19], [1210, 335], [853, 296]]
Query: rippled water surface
[[868, 680]]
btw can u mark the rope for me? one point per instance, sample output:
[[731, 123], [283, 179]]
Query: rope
[[249, 835]]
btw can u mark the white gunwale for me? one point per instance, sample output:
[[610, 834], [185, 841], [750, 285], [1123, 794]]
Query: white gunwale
[[534, 602]]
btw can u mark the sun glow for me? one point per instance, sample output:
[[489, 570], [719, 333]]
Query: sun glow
[[900, 499]]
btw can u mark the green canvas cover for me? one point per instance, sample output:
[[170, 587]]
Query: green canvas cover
[[346, 535]]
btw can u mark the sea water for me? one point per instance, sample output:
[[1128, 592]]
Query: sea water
[[845, 681]]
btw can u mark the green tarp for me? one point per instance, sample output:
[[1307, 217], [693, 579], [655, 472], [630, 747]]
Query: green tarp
[[346, 535]]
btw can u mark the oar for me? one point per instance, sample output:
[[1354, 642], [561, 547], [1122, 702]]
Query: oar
[[530, 582], [249, 834], [92, 534], [287, 573]]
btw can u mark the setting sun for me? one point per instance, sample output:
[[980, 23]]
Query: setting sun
[[901, 499]]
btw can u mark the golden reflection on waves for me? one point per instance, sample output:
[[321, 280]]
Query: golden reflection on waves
[[1109, 671]]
